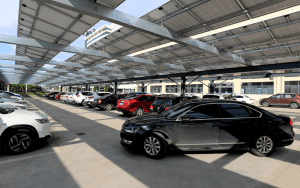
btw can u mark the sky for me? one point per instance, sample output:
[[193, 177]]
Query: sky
[[9, 22]]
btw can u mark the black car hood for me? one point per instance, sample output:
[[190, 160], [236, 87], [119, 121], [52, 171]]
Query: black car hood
[[146, 119]]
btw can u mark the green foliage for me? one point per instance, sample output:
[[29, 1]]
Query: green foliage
[[105, 88], [96, 88], [30, 94]]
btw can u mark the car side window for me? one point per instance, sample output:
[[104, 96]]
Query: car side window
[[237, 111], [276, 96], [203, 112], [293, 96], [238, 97]]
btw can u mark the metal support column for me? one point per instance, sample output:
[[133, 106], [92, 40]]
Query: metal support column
[[143, 87], [89, 88], [211, 87], [183, 80], [70, 89], [86, 87], [61, 88], [116, 87]]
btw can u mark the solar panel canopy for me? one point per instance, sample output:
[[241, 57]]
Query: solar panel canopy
[[245, 33]]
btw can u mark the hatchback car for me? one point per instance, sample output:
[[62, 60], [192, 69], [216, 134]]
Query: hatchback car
[[136, 105], [21, 130], [89, 100], [196, 125], [282, 99]]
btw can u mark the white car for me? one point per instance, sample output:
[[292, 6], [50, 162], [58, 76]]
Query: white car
[[5, 95], [68, 97], [21, 130], [244, 98], [84, 95], [212, 96], [91, 98]]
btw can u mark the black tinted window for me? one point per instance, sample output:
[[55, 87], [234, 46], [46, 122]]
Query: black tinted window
[[176, 111], [238, 97], [203, 112], [114, 97], [168, 101], [236, 111]]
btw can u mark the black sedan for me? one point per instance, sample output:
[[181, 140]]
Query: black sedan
[[52, 95], [107, 102], [208, 124]]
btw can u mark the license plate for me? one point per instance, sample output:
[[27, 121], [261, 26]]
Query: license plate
[[86, 98], [120, 103]]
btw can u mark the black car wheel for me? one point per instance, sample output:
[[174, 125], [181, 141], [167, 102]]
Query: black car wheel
[[154, 146], [266, 104], [19, 141], [294, 105], [138, 112], [263, 145], [108, 107]]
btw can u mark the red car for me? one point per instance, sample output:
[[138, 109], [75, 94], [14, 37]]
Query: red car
[[282, 99], [136, 105]]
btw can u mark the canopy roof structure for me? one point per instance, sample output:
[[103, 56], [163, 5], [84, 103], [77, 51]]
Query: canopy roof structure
[[203, 39]]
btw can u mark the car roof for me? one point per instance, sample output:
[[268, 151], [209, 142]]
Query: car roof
[[204, 101]]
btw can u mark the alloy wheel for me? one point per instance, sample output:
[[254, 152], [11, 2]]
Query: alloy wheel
[[152, 145], [264, 144], [140, 112], [265, 104], [19, 142], [294, 105]]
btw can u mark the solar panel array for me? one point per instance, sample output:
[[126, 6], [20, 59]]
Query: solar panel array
[[269, 41]]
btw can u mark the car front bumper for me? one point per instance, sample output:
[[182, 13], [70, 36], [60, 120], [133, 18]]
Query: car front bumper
[[130, 140]]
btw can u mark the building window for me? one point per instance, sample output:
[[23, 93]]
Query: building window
[[140, 89], [155, 89], [257, 88], [194, 88], [224, 88], [292, 86], [172, 89]]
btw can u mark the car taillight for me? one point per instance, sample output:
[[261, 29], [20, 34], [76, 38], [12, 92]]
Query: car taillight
[[167, 108], [151, 107], [291, 122], [78, 95], [251, 99], [47, 94], [70, 97], [66, 96], [90, 97], [99, 101]]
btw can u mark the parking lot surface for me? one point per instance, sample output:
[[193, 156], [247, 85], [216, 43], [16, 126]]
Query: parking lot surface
[[85, 151]]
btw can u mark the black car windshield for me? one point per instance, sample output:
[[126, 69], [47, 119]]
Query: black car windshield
[[158, 101], [104, 96], [176, 110], [168, 101], [211, 97]]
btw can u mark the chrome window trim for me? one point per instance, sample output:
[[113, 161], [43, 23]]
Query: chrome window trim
[[178, 119]]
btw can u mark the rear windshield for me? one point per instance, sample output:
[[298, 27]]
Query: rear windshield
[[168, 101], [130, 98], [102, 94], [211, 97]]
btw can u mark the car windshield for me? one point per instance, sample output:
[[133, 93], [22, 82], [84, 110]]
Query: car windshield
[[102, 94], [158, 101], [175, 111], [246, 96], [6, 111], [168, 101]]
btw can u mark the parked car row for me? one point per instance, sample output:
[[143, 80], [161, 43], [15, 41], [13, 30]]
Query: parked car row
[[188, 124], [20, 130]]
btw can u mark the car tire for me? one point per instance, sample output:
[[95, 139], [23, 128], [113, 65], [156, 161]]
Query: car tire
[[294, 105], [154, 146], [266, 104], [18, 141], [90, 106], [108, 107], [263, 145], [138, 112], [243, 101]]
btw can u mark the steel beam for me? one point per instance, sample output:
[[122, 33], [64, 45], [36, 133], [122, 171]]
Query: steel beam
[[278, 66], [121, 18], [251, 9]]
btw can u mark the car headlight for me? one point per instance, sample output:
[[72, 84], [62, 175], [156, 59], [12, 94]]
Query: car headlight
[[42, 121]]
